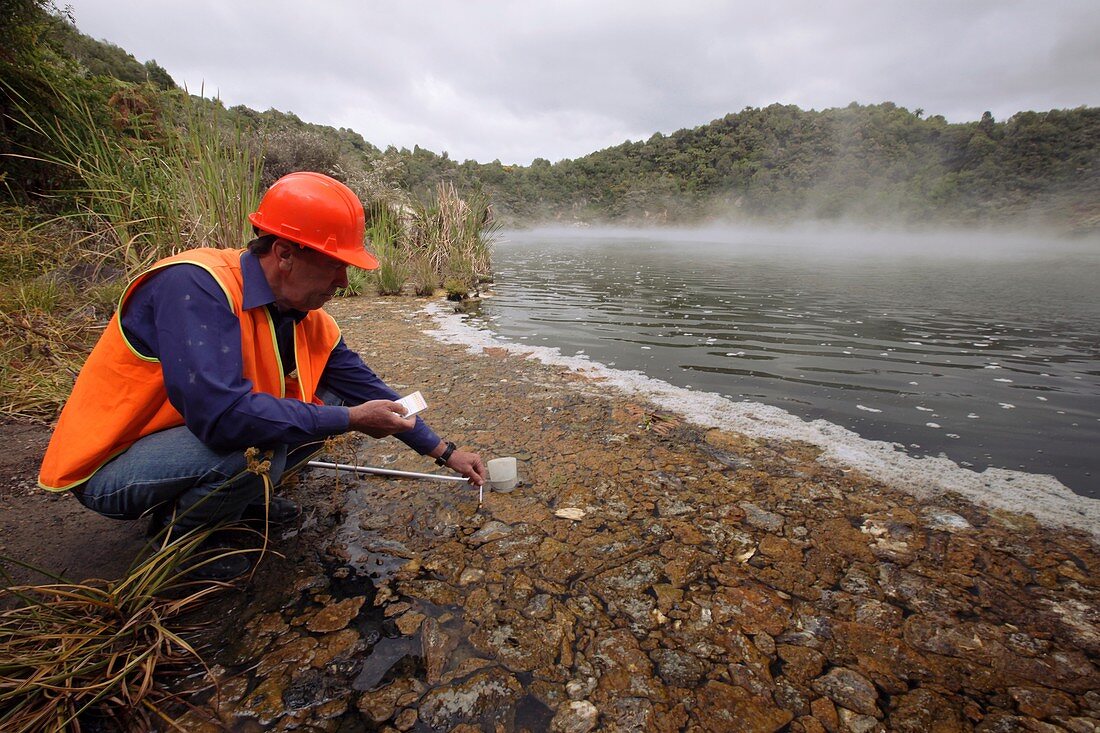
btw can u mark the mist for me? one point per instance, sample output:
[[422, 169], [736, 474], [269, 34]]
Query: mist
[[837, 240]]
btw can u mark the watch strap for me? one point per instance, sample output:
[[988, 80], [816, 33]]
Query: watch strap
[[446, 455]]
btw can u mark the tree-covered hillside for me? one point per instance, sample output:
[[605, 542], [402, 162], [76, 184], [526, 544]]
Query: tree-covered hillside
[[881, 163]]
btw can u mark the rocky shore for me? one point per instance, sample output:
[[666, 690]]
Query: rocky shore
[[645, 576]]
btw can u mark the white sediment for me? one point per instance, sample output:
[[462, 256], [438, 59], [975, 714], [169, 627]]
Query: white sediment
[[1042, 496]]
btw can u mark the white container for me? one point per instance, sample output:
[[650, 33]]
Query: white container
[[502, 474]]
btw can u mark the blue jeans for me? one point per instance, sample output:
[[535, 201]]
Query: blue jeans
[[174, 472]]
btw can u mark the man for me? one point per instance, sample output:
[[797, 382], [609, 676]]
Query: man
[[212, 352]]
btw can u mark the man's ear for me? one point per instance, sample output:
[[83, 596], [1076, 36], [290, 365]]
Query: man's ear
[[282, 250]]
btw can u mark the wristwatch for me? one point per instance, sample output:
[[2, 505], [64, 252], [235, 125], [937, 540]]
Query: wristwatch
[[446, 455]]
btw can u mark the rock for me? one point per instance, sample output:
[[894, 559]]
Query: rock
[[576, 689], [942, 635], [857, 723], [753, 607], [924, 711], [779, 548], [465, 668], [343, 643], [296, 654], [520, 643], [722, 707], [405, 720], [540, 606], [308, 690], [824, 711], [810, 724], [266, 701], [483, 693], [848, 689], [1042, 702], [409, 623], [576, 716], [678, 668], [380, 705], [489, 532], [791, 697], [436, 645], [268, 624], [628, 714], [879, 615], [765, 643], [667, 507], [396, 609], [944, 519], [668, 596], [761, 518], [627, 671], [800, 663], [470, 576], [1000, 722], [335, 616]]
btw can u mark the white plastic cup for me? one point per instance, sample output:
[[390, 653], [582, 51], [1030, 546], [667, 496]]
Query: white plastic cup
[[502, 474]]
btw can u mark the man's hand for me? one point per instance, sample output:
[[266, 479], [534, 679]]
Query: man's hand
[[464, 462], [379, 418]]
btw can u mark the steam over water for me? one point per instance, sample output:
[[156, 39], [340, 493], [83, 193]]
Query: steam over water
[[982, 350]]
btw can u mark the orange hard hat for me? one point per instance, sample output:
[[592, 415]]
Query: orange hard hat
[[318, 212]]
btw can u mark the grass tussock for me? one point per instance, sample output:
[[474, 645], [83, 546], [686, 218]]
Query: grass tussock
[[76, 651], [149, 175]]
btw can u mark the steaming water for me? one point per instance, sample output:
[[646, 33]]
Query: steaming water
[[980, 350]]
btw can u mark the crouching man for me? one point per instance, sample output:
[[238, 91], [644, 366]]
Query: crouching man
[[214, 351]]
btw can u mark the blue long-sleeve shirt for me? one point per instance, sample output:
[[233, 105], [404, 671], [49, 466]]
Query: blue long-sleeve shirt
[[180, 316]]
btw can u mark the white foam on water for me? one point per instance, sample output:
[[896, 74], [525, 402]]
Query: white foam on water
[[1043, 496]]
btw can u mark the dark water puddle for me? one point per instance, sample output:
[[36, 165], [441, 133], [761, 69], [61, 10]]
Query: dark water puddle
[[399, 654]]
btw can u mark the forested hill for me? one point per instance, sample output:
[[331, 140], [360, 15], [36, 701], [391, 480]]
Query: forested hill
[[880, 162]]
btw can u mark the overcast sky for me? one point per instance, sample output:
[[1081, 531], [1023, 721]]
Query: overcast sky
[[490, 79]]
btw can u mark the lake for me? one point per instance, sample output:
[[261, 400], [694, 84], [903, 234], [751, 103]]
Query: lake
[[979, 348]]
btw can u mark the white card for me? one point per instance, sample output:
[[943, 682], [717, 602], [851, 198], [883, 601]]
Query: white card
[[413, 403]]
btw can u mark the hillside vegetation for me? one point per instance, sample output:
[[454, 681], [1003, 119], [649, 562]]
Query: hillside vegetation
[[879, 163]]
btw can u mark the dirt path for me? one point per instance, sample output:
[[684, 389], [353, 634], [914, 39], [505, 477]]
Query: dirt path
[[53, 531]]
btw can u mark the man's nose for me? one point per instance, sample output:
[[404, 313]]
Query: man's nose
[[342, 278]]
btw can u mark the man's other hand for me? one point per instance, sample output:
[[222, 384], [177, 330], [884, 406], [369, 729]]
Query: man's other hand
[[469, 465], [379, 418]]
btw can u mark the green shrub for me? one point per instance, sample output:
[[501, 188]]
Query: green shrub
[[358, 282]]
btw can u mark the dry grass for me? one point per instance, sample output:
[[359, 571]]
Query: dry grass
[[100, 648]]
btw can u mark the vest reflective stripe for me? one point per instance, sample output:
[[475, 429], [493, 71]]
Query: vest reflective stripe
[[120, 395]]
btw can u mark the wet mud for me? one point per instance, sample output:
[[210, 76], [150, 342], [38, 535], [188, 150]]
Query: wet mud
[[644, 576]]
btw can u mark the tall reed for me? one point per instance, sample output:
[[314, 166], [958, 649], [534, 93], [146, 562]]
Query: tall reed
[[386, 234], [176, 175], [455, 235], [142, 175]]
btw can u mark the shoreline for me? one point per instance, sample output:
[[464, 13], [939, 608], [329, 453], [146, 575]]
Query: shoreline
[[647, 574], [1040, 495]]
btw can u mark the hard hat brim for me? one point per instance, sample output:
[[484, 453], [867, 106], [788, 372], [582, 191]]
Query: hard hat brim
[[362, 259]]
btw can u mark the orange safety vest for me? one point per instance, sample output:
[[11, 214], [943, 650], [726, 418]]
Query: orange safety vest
[[120, 395]]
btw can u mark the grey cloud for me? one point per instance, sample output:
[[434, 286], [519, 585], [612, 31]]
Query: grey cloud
[[495, 79]]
